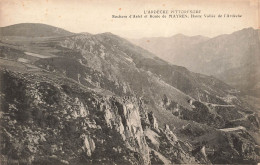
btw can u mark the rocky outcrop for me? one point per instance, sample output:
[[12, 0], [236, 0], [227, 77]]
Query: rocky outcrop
[[72, 124], [75, 125], [102, 100], [89, 144], [170, 135], [125, 118], [153, 121], [78, 125]]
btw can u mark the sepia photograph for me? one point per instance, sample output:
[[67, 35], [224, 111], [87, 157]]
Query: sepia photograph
[[122, 82]]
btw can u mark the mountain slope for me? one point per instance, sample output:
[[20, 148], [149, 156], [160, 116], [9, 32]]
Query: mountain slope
[[33, 30], [112, 89], [169, 48], [223, 56]]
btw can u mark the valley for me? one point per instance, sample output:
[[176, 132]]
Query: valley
[[80, 98]]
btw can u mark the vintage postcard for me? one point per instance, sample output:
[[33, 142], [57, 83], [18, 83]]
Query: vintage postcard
[[129, 82]]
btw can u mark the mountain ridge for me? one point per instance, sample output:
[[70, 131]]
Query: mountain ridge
[[33, 30], [100, 99], [214, 56]]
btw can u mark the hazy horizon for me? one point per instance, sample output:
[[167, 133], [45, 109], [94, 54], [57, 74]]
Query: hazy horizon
[[133, 38], [96, 16]]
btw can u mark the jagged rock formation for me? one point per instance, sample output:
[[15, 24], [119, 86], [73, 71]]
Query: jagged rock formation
[[72, 124], [93, 99]]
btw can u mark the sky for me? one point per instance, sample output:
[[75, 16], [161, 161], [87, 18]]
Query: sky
[[95, 16]]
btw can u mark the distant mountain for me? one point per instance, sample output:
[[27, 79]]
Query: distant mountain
[[99, 99], [33, 30], [169, 48], [234, 58]]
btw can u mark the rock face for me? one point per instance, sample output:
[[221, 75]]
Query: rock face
[[153, 121], [89, 144], [126, 120], [98, 99], [72, 124]]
